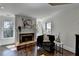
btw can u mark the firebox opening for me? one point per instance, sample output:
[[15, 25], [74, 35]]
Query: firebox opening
[[26, 37]]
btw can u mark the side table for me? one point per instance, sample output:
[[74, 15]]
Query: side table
[[59, 47]]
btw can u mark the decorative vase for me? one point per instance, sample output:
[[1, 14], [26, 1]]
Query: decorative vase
[[58, 38]]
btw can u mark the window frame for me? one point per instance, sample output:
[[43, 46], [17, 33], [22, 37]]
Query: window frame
[[9, 19], [47, 28]]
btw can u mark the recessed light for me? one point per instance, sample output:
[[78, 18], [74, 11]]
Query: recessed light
[[1, 7]]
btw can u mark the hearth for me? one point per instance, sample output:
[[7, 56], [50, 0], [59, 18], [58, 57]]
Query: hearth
[[25, 37]]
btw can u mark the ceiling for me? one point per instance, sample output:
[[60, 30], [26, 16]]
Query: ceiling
[[37, 10]]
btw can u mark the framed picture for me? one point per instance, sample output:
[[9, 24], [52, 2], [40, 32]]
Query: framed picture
[[27, 23]]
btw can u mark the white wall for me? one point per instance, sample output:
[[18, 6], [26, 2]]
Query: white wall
[[66, 22], [4, 41]]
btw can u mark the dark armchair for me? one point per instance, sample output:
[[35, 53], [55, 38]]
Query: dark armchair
[[40, 40], [48, 46]]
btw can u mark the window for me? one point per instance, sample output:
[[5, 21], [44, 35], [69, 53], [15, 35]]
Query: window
[[48, 27], [8, 29]]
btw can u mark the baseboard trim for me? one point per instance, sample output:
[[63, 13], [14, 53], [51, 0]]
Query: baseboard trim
[[7, 44], [69, 49]]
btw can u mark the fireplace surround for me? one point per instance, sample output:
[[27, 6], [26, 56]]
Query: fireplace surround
[[25, 37]]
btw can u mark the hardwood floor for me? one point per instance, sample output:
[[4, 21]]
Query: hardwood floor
[[4, 51], [45, 53], [12, 51]]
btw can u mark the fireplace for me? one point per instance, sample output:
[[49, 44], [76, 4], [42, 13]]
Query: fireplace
[[25, 37]]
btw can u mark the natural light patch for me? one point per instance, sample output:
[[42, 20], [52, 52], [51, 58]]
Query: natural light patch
[[11, 47]]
